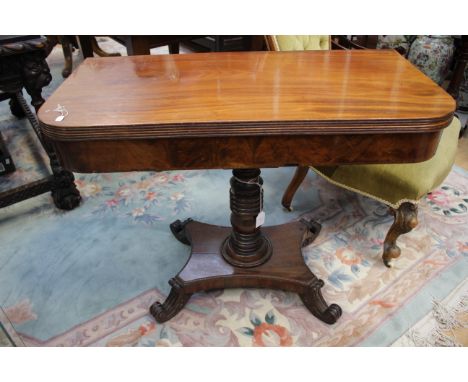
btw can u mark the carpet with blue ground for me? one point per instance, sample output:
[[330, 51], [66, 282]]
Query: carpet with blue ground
[[87, 277]]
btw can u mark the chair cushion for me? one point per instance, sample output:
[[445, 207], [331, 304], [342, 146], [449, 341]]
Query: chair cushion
[[394, 184], [307, 42]]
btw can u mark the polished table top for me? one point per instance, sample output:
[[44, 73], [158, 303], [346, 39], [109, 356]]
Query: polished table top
[[245, 110], [246, 93]]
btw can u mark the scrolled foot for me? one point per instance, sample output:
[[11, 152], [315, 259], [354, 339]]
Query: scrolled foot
[[64, 192], [406, 218], [314, 301], [331, 314], [178, 230], [174, 303], [313, 229]]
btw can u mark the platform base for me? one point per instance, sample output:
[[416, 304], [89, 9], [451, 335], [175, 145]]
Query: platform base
[[206, 268]]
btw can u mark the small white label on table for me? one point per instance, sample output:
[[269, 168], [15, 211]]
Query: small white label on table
[[260, 219]]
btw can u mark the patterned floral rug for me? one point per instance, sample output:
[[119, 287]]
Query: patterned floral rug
[[87, 277], [5, 339], [445, 325], [8, 335]]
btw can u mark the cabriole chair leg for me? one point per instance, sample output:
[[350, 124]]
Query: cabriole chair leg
[[406, 218], [296, 181]]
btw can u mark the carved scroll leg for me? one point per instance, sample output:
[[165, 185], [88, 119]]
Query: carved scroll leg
[[313, 229], [406, 218], [314, 301], [174, 302], [312, 297], [296, 181], [178, 230]]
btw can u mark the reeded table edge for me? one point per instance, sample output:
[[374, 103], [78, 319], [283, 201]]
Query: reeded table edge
[[245, 128]]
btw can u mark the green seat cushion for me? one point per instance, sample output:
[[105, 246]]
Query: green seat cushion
[[394, 184]]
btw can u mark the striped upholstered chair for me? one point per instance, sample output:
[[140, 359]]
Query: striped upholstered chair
[[400, 186]]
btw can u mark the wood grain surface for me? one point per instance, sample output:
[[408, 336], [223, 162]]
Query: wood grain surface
[[244, 111], [243, 152], [246, 94]]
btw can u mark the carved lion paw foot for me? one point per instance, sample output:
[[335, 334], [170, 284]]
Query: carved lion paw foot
[[64, 192]]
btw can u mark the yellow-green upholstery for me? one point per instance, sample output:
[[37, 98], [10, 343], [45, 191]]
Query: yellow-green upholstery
[[394, 184], [296, 42], [400, 186]]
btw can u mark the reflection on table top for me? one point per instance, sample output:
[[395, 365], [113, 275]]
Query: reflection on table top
[[240, 93]]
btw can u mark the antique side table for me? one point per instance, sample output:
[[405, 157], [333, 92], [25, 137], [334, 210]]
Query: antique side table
[[245, 111]]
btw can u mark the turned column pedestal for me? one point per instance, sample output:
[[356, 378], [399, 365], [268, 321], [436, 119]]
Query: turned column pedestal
[[246, 255], [243, 110]]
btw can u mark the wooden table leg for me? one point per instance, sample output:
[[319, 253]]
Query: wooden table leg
[[245, 255], [64, 192], [174, 48], [67, 49], [296, 181], [138, 45], [86, 46]]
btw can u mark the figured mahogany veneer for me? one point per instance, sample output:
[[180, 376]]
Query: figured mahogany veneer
[[245, 111], [263, 101], [232, 94], [243, 152]]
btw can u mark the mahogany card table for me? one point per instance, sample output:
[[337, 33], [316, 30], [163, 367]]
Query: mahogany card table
[[244, 111]]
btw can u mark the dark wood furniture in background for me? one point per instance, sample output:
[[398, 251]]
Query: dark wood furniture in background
[[137, 44], [23, 65], [367, 41], [345, 42], [69, 44], [222, 43], [245, 111], [141, 45]]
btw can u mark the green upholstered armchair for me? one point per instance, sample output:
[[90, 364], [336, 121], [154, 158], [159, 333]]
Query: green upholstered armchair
[[400, 186]]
